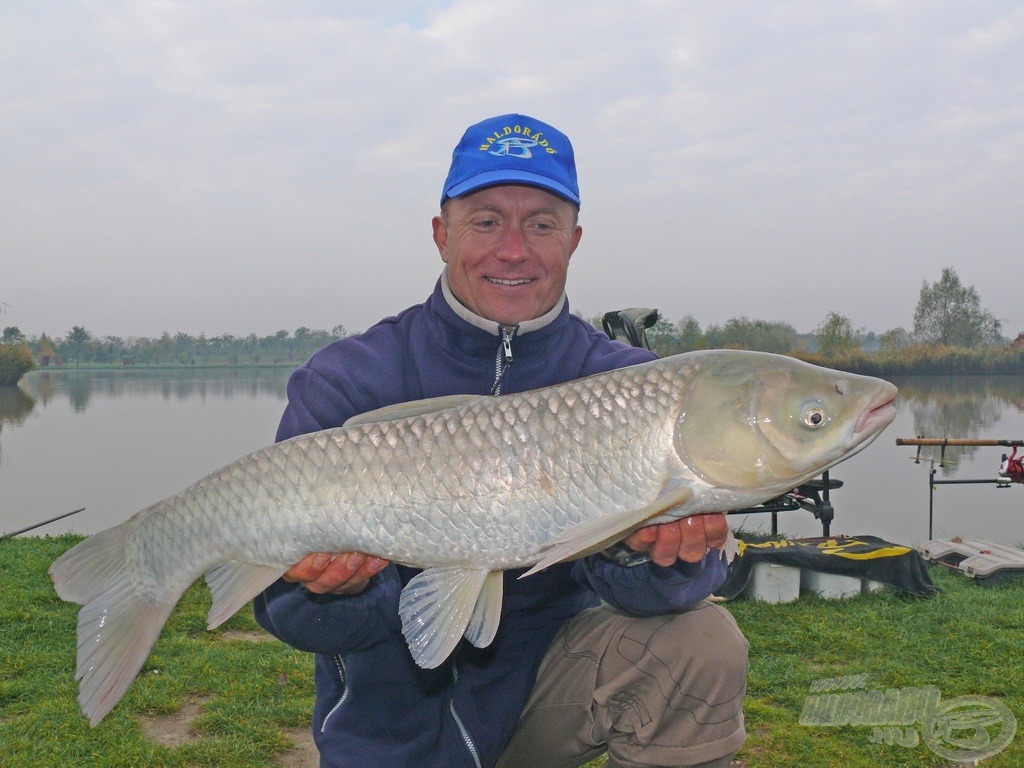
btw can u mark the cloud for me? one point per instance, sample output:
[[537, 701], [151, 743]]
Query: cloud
[[239, 167]]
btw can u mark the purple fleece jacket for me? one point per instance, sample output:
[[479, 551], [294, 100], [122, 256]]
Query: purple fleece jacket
[[374, 706]]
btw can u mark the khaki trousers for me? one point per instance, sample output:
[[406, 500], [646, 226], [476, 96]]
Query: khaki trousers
[[663, 691]]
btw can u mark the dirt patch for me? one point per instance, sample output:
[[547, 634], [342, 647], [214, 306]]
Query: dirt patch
[[251, 636], [175, 729], [303, 754]]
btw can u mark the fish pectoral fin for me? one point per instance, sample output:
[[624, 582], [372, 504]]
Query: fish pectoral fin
[[409, 409], [440, 605], [594, 535], [234, 585]]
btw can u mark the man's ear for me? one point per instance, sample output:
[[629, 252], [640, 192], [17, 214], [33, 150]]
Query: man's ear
[[440, 236], [577, 233]]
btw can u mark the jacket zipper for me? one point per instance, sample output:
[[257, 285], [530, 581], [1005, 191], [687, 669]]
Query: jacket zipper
[[340, 664], [503, 358], [466, 738]]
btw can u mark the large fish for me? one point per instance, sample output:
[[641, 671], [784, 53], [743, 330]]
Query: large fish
[[465, 487]]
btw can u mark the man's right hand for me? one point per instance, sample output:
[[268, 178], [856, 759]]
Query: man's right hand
[[345, 573]]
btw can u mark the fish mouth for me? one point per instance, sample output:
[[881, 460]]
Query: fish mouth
[[880, 413]]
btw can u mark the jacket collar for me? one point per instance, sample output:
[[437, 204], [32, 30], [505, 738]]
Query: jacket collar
[[490, 325]]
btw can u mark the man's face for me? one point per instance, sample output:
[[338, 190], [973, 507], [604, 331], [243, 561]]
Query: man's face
[[507, 249]]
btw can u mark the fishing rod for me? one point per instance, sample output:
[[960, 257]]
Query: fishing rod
[[40, 525], [1010, 470], [942, 443], [956, 441]]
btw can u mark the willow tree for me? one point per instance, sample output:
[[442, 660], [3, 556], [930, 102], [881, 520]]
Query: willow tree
[[950, 313], [836, 337]]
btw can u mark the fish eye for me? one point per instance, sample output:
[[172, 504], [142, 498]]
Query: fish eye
[[814, 416]]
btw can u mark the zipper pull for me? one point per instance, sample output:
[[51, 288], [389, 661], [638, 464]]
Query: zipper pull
[[506, 341], [504, 361]]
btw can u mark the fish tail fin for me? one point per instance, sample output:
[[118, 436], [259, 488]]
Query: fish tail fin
[[117, 627], [87, 570]]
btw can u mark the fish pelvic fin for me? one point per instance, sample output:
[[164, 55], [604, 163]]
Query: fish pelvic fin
[[235, 584], [483, 624], [440, 605], [596, 534], [117, 627]]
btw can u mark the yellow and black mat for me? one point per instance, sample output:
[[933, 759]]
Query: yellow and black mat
[[867, 557]]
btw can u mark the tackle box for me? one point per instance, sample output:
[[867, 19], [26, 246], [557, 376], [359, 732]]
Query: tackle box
[[989, 562]]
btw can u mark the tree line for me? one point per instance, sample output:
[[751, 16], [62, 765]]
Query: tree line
[[80, 347], [948, 316]]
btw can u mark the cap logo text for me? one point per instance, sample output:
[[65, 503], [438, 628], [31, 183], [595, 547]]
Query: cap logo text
[[516, 141]]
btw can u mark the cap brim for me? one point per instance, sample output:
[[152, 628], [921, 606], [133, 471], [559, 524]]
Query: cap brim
[[506, 176]]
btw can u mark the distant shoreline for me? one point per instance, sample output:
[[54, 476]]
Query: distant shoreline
[[970, 363], [161, 367]]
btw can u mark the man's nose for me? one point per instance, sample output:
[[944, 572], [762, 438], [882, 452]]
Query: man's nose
[[513, 245]]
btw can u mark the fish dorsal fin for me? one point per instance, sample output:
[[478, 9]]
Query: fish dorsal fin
[[441, 605], [594, 535], [411, 408]]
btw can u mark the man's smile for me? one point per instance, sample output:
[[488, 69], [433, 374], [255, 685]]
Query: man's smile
[[501, 281]]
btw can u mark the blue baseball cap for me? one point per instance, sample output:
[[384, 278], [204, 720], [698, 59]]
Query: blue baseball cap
[[513, 149]]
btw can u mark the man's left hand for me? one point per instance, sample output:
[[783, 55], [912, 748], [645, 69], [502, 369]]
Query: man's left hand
[[687, 539]]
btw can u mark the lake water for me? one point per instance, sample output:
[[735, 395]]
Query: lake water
[[116, 441]]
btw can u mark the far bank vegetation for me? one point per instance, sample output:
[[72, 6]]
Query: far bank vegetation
[[952, 334]]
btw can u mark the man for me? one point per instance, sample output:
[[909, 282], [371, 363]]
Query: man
[[655, 676]]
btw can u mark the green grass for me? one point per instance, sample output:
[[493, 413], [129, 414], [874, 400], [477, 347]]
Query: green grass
[[966, 641], [253, 689]]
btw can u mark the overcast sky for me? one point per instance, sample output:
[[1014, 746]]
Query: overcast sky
[[236, 167]]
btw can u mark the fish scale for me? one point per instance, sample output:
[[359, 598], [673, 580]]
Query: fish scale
[[465, 487]]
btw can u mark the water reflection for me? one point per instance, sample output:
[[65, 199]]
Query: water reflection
[[115, 441], [941, 406], [959, 407], [81, 387], [15, 406]]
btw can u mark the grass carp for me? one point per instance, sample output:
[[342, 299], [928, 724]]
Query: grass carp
[[464, 487]]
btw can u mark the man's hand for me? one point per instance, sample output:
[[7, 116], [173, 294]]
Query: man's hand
[[687, 539], [347, 573]]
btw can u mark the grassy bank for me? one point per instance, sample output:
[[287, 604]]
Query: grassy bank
[[930, 360], [966, 641]]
